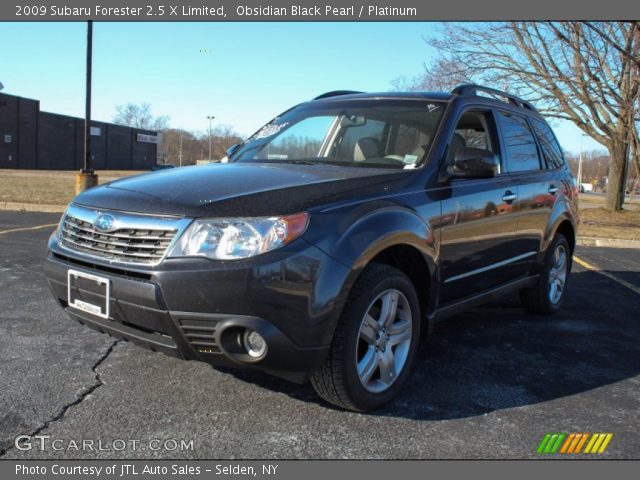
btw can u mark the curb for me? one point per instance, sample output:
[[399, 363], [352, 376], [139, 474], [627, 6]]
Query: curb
[[32, 207], [607, 242]]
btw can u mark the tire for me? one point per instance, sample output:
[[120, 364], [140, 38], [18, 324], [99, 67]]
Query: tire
[[543, 298], [363, 338]]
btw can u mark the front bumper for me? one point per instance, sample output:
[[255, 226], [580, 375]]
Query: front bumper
[[197, 309]]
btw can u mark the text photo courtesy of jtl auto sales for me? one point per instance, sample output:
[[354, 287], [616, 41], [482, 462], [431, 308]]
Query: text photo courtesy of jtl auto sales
[[265, 239]]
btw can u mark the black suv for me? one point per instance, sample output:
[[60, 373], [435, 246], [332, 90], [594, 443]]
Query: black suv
[[323, 246]]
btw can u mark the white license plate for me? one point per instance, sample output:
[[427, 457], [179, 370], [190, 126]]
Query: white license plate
[[81, 285]]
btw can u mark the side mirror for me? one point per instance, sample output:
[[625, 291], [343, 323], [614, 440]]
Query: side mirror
[[474, 163]]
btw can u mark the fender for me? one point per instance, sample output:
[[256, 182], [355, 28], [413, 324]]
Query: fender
[[562, 210], [378, 230], [381, 229]]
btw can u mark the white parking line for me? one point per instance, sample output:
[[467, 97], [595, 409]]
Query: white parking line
[[24, 229]]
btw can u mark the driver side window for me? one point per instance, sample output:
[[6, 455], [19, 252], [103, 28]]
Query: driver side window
[[474, 130]]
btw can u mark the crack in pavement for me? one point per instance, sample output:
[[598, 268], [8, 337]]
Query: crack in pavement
[[83, 395]]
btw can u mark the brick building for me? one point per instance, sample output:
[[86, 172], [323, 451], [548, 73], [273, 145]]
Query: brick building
[[30, 138]]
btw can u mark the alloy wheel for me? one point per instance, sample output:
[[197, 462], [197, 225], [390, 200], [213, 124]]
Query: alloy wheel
[[384, 340], [557, 274]]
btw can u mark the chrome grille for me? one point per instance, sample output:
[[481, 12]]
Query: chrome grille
[[133, 240]]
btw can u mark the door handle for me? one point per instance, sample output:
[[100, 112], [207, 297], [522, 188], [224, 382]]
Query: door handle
[[509, 196], [553, 189]]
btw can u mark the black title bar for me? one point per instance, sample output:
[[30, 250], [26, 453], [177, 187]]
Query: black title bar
[[314, 10]]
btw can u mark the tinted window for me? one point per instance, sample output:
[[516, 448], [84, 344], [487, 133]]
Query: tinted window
[[521, 149], [302, 140], [474, 129], [550, 148], [357, 133]]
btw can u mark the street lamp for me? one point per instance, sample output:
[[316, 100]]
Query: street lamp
[[210, 118], [87, 177]]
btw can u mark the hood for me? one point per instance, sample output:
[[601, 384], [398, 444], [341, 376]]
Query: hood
[[236, 189]]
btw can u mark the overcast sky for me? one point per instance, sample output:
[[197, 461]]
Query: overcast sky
[[243, 73]]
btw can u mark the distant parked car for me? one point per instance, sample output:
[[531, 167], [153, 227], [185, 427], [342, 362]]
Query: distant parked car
[[162, 166], [586, 187]]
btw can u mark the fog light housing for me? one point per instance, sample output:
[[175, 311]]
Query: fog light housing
[[254, 343]]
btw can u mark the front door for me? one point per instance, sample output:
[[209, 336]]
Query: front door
[[478, 219]]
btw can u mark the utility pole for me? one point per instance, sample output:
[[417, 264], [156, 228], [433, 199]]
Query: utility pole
[[210, 118], [580, 170], [87, 178], [180, 155]]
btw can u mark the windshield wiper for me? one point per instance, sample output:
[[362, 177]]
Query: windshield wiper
[[298, 162]]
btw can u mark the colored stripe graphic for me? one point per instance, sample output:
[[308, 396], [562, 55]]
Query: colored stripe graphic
[[550, 443], [593, 439], [607, 439], [543, 443], [582, 442], [572, 443], [568, 442], [598, 443]]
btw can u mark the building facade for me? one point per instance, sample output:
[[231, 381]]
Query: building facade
[[32, 139]]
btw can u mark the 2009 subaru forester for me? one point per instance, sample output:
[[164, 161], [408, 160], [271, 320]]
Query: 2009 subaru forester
[[329, 240]]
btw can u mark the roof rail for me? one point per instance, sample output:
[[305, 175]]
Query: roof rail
[[473, 89], [335, 93]]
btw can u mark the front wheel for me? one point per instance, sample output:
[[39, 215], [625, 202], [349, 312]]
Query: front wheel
[[374, 344], [547, 296]]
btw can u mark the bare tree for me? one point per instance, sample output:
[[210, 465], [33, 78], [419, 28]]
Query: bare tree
[[194, 144], [442, 75], [584, 72], [222, 137], [140, 116], [180, 147]]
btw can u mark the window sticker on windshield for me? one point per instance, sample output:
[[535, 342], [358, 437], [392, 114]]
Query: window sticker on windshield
[[410, 159], [431, 107], [277, 156], [269, 130]]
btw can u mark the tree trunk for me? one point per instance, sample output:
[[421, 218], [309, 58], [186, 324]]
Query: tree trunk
[[619, 151]]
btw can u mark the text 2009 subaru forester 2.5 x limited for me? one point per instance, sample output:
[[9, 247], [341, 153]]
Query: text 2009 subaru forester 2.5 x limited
[[329, 240]]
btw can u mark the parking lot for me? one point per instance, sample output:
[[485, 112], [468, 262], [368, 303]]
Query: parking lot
[[489, 384]]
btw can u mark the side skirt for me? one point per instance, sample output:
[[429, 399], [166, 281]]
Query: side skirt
[[451, 309]]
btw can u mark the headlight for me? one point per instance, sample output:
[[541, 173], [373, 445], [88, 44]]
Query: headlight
[[235, 238]]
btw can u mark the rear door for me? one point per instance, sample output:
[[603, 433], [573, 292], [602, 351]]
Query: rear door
[[528, 173]]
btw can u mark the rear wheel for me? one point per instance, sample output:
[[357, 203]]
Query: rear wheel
[[374, 344], [547, 296]]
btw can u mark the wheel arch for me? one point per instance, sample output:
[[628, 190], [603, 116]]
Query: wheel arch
[[566, 228], [399, 238], [562, 220]]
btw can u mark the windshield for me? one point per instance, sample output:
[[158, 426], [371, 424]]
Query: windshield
[[354, 133]]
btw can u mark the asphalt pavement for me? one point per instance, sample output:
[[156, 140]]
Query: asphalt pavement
[[489, 383]]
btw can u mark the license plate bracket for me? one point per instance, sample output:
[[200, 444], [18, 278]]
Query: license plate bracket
[[94, 286]]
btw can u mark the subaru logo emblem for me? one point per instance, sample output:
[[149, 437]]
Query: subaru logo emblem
[[104, 222]]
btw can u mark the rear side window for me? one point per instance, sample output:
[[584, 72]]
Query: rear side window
[[549, 145], [520, 146]]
